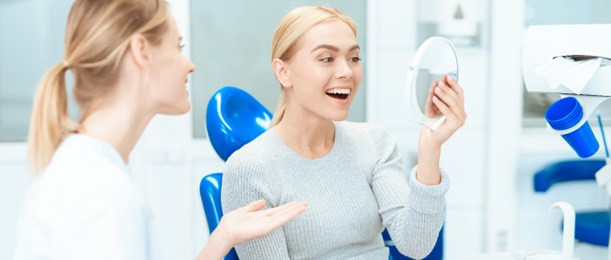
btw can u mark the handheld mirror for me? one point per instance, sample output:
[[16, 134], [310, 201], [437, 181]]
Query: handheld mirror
[[435, 57]]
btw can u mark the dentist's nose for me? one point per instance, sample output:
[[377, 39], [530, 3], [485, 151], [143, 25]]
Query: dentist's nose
[[191, 67]]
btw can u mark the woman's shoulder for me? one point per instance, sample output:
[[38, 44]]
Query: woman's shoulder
[[254, 148], [252, 155]]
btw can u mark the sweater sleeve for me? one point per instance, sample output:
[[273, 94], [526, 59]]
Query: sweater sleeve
[[412, 212], [244, 181]]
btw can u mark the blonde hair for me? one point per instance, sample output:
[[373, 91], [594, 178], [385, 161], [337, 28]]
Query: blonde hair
[[97, 36], [290, 30]]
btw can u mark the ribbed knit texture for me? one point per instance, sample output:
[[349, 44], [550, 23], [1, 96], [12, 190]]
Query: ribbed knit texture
[[353, 192]]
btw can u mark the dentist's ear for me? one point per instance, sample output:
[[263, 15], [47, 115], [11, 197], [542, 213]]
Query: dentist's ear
[[140, 50], [282, 72]]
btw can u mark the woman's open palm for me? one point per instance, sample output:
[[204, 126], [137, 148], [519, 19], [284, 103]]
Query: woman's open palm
[[250, 222]]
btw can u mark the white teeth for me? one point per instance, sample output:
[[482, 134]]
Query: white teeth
[[338, 91]]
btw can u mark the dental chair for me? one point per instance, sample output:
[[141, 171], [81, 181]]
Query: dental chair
[[234, 118], [591, 227]]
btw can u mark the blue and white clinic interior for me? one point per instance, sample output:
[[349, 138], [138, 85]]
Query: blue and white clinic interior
[[492, 208]]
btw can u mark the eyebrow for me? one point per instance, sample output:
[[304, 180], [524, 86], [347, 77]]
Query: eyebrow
[[333, 48]]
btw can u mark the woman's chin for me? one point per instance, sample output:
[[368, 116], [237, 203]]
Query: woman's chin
[[339, 116]]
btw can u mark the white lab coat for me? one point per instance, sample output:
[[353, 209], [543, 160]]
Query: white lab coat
[[85, 206]]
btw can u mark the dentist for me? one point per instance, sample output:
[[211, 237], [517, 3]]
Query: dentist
[[125, 56]]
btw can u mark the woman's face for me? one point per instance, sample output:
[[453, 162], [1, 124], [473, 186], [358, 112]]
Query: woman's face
[[169, 72], [325, 72]]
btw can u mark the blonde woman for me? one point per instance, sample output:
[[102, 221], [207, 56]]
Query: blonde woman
[[125, 56], [350, 174]]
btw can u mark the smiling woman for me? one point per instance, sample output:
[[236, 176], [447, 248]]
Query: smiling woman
[[313, 154], [315, 62], [218, 39]]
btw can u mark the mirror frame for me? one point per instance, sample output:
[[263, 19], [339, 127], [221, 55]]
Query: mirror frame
[[411, 88]]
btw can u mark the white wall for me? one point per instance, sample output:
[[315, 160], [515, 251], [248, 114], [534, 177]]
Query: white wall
[[21, 53]]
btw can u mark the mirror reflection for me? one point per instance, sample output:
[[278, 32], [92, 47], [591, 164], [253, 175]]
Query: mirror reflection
[[435, 58]]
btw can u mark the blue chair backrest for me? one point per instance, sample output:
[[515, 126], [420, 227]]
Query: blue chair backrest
[[233, 119]]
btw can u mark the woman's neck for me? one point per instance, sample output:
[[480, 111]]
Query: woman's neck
[[118, 123], [309, 137]]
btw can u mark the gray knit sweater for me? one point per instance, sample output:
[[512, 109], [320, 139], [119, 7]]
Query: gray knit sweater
[[353, 192]]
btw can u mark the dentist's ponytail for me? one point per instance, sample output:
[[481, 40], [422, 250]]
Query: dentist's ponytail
[[50, 120]]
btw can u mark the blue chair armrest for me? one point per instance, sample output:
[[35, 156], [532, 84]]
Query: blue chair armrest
[[210, 192], [565, 171], [436, 253]]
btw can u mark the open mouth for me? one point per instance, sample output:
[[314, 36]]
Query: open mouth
[[339, 93]]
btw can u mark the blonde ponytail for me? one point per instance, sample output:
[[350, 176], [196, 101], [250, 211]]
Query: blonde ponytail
[[50, 120]]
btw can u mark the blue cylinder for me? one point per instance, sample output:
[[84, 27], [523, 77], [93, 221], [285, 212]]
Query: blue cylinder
[[566, 113]]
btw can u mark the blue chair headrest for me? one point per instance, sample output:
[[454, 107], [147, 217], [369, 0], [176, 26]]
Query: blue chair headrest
[[233, 119]]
